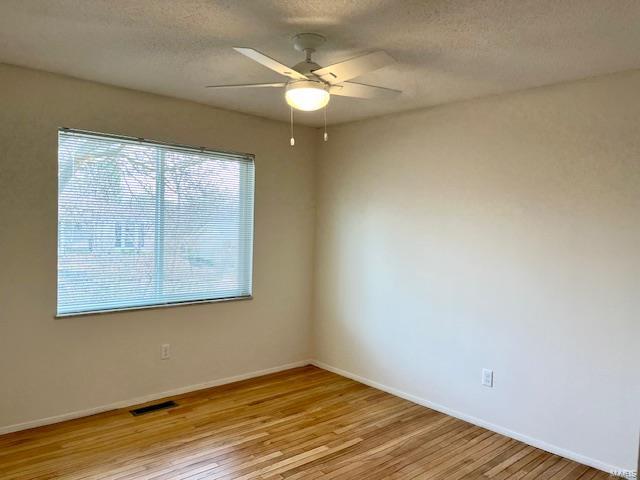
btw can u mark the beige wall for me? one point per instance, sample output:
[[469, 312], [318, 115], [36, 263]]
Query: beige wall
[[51, 367], [501, 233]]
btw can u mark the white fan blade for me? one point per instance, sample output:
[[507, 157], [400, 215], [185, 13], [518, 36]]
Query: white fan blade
[[360, 90], [340, 72], [270, 63], [249, 85]]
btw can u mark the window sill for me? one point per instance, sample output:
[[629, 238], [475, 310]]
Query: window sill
[[150, 307]]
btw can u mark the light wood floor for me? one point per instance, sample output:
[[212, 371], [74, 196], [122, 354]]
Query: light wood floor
[[305, 423]]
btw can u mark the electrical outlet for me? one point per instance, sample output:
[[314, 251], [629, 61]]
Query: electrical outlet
[[487, 377], [165, 354]]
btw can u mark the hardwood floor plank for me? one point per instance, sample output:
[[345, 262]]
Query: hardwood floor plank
[[305, 423]]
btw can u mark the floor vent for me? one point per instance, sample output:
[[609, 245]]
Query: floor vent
[[152, 408]]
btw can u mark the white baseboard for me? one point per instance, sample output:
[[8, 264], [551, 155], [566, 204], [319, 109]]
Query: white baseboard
[[147, 398], [479, 422]]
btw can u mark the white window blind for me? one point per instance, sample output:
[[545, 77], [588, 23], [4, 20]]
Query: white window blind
[[144, 224]]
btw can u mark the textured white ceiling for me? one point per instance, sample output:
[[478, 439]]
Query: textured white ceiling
[[446, 50]]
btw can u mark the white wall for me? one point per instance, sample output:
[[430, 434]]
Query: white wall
[[51, 367], [500, 233]]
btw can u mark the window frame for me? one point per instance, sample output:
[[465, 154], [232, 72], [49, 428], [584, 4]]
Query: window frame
[[246, 157]]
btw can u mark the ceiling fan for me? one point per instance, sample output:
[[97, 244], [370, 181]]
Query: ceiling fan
[[310, 86]]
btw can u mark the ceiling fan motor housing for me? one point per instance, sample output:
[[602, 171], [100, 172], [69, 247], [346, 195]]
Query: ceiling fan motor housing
[[306, 68]]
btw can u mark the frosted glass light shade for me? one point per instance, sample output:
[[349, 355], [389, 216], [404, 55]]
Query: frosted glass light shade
[[307, 95]]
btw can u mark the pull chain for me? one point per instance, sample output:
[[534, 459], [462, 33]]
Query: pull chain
[[326, 135], [293, 140]]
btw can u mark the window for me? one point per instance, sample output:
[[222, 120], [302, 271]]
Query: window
[[143, 224]]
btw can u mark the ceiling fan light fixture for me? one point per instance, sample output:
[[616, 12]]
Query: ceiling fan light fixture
[[307, 95]]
